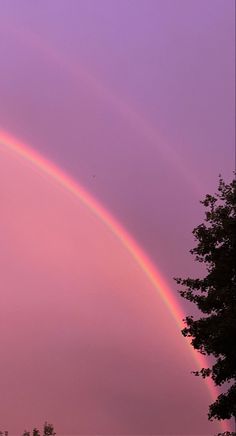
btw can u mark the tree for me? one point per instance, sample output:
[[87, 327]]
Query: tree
[[214, 334], [48, 430], [36, 432]]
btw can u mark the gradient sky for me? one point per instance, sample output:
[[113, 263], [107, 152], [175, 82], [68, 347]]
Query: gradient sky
[[135, 100]]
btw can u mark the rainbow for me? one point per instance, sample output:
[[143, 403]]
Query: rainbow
[[136, 119], [62, 179]]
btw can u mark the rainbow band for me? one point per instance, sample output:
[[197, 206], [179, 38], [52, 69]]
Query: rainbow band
[[135, 119], [67, 183]]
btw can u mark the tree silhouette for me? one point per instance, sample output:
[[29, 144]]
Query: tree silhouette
[[214, 295], [48, 430]]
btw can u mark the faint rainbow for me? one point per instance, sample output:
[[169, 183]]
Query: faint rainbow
[[134, 117], [66, 182]]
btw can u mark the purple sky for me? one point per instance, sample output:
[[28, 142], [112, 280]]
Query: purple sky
[[135, 100]]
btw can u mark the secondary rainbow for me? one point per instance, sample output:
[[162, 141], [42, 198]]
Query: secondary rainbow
[[66, 182], [136, 119]]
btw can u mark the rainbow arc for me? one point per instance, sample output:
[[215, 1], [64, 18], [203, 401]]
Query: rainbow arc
[[62, 179]]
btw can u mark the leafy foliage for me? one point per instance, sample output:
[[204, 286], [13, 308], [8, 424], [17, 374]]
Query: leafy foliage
[[227, 433], [215, 296], [48, 430]]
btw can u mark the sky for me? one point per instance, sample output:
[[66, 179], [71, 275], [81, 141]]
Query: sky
[[133, 100]]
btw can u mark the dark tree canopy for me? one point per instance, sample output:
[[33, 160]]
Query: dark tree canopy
[[48, 430], [214, 333]]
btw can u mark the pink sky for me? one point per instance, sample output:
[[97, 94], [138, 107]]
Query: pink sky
[[86, 340], [134, 99]]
